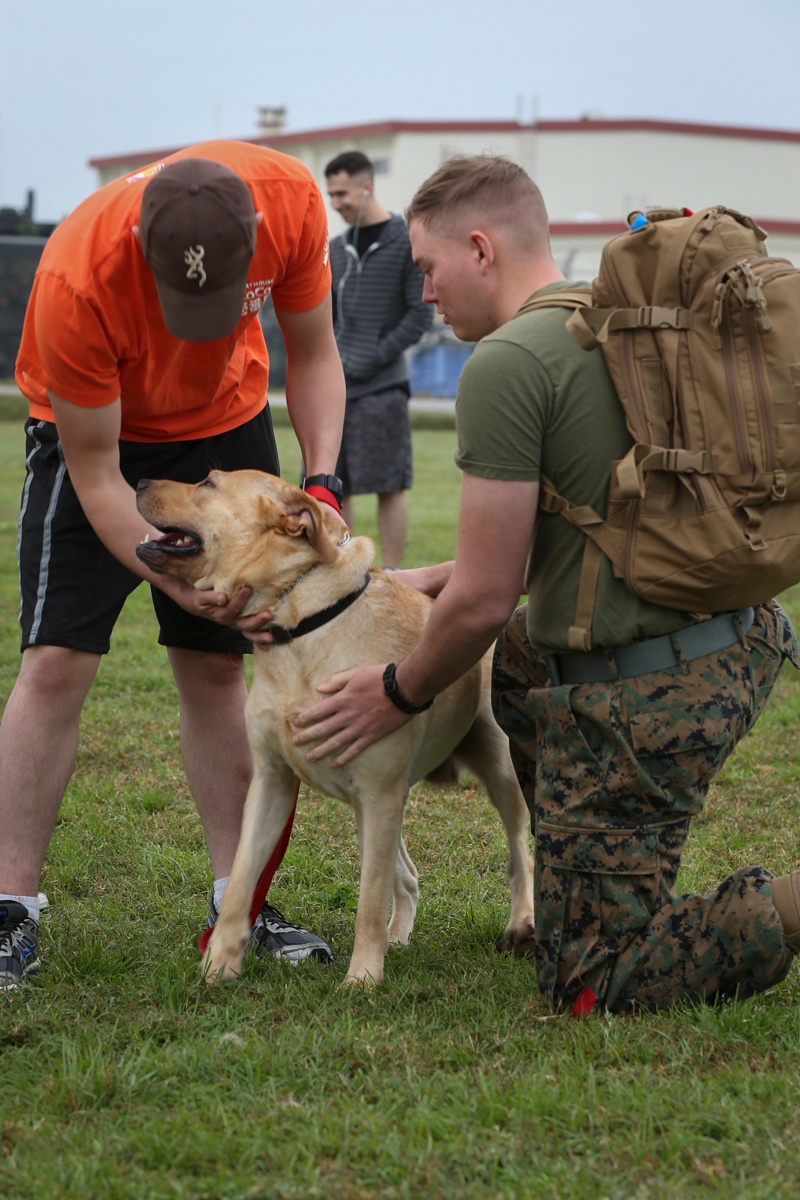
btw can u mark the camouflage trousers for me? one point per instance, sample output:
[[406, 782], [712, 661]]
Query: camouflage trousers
[[612, 774]]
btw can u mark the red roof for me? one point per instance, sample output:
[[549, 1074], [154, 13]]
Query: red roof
[[380, 128]]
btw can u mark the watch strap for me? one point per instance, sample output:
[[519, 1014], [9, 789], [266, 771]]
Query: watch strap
[[332, 482], [391, 689], [328, 488]]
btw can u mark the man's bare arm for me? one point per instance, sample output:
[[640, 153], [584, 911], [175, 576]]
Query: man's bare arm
[[314, 385]]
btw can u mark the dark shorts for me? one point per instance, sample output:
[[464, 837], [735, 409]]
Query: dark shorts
[[375, 457], [72, 589]]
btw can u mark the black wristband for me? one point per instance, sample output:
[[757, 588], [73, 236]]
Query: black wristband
[[393, 692]]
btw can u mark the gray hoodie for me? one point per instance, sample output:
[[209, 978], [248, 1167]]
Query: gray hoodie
[[378, 309]]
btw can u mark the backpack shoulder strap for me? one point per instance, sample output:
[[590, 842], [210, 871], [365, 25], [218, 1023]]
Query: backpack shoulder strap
[[566, 298], [580, 636], [583, 517]]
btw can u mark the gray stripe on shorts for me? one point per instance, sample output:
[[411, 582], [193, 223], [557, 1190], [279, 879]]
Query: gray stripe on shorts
[[47, 531]]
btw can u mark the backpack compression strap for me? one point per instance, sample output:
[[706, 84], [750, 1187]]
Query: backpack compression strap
[[591, 326]]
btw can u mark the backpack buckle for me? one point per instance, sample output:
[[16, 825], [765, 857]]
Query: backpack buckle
[[780, 485]]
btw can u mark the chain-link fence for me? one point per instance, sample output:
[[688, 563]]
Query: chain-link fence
[[19, 257]]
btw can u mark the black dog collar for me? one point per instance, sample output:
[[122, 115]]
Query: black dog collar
[[282, 635]]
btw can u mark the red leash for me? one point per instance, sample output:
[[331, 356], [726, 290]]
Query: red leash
[[267, 875], [584, 1004]]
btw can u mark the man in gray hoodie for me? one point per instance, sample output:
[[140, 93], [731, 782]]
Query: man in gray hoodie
[[378, 313]]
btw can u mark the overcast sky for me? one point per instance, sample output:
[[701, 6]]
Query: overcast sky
[[86, 78]]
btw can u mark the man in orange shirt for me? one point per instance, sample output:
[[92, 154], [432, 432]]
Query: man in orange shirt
[[142, 356]]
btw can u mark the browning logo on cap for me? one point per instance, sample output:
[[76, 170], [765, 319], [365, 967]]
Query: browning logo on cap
[[193, 257], [198, 235]]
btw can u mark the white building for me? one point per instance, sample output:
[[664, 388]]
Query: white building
[[592, 172]]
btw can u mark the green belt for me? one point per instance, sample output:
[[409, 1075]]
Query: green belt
[[655, 654]]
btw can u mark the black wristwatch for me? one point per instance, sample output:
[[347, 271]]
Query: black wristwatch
[[398, 700], [332, 482]]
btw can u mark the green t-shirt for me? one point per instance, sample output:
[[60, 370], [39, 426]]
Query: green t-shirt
[[531, 401]]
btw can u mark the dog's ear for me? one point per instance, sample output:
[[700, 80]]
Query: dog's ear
[[310, 522]]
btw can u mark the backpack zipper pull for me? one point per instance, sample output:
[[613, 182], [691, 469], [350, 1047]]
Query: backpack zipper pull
[[754, 295]]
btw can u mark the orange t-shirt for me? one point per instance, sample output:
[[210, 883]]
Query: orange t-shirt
[[94, 332]]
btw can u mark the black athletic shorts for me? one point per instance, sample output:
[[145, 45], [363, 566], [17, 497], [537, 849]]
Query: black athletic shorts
[[72, 588]]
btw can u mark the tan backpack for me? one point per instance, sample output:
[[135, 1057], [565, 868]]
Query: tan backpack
[[700, 331]]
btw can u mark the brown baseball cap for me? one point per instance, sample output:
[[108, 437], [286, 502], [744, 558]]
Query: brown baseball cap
[[197, 229]]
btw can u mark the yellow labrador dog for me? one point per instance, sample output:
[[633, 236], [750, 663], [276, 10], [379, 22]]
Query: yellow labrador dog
[[332, 609]]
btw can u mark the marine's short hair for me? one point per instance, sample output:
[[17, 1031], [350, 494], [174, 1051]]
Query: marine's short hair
[[494, 184], [352, 162]]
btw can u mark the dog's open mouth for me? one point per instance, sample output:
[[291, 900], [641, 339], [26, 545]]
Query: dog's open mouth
[[175, 540]]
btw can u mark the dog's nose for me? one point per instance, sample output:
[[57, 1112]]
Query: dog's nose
[[143, 485]]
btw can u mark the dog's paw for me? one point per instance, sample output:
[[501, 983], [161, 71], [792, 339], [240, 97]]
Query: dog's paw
[[217, 969], [364, 981], [399, 934], [518, 942]]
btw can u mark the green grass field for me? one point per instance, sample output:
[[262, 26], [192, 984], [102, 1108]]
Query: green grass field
[[124, 1077]]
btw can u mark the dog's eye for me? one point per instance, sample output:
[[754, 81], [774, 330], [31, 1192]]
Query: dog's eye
[[209, 483]]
